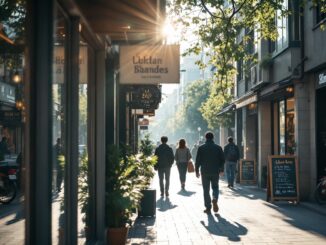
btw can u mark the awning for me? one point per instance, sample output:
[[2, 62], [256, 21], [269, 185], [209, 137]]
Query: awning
[[226, 109], [125, 20], [246, 101]]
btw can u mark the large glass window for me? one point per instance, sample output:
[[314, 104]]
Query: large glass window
[[12, 121], [290, 127], [284, 127], [83, 176], [281, 22], [58, 128]]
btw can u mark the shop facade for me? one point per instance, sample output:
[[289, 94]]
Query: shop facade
[[72, 93], [287, 116]]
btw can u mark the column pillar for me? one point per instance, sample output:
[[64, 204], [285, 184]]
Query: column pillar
[[264, 140], [302, 136]]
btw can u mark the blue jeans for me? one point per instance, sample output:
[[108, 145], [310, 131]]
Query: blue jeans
[[230, 171], [207, 180], [164, 172], [182, 167]]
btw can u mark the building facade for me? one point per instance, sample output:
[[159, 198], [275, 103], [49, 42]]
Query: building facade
[[279, 100]]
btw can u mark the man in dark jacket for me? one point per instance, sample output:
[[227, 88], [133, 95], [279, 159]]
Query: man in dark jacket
[[210, 160], [165, 159], [232, 155]]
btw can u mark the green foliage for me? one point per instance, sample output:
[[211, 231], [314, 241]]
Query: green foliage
[[124, 182], [223, 31], [13, 22], [147, 159], [83, 187], [146, 146], [196, 94], [215, 103]]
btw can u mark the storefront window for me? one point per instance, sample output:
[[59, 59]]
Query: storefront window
[[12, 121], [83, 180], [282, 127], [290, 126], [58, 128]]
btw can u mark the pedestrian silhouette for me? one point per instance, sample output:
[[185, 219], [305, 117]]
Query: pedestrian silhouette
[[210, 161], [232, 155], [164, 163], [182, 156]]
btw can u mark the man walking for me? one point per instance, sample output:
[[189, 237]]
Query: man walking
[[210, 160], [165, 159], [232, 155]]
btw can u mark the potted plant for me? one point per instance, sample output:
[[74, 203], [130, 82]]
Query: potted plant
[[123, 193], [148, 160]]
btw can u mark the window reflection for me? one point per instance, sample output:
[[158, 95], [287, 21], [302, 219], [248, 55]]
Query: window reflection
[[58, 122]]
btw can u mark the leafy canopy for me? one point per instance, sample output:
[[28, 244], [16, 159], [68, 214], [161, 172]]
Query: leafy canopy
[[222, 31]]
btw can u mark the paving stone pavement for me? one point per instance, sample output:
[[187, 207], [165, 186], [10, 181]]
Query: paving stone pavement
[[244, 218], [12, 222]]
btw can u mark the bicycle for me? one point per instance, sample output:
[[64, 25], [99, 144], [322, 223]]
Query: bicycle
[[320, 191]]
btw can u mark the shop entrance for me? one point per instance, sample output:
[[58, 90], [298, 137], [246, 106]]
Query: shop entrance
[[321, 132]]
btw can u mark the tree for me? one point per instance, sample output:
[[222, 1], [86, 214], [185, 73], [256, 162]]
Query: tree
[[218, 23], [12, 26], [223, 32], [196, 95]]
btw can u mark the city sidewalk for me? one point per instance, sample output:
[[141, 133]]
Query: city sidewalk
[[244, 218]]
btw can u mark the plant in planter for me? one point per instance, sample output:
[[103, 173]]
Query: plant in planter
[[148, 160], [123, 192]]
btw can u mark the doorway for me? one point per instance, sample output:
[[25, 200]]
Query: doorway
[[321, 132]]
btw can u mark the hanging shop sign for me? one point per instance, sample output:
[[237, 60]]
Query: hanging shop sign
[[144, 122], [7, 93], [150, 64], [283, 178], [150, 113], [321, 79], [145, 97], [59, 65]]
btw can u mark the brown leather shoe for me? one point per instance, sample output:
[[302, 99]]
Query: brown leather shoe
[[215, 206], [207, 211]]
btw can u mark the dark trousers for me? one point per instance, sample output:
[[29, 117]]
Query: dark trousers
[[164, 172], [208, 181], [182, 167]]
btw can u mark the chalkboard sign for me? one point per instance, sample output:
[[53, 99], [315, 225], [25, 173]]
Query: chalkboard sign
[[247, 171], [283, 177]]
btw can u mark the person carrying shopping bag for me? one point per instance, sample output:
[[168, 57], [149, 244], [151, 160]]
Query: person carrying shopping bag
[[182, 157]]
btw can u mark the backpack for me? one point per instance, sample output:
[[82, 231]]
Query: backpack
[[232, 154]]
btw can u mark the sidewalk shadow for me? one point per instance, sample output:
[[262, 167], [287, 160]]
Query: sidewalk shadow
[[15, 207], [164, 204], [300, 217], [186, 193], [18, 216], [142, 228], [222, 227], [242, 191]]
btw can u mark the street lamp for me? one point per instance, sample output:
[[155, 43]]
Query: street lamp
[[199, 129]]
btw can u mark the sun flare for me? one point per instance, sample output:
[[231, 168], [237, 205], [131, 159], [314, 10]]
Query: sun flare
[[169, 33]]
